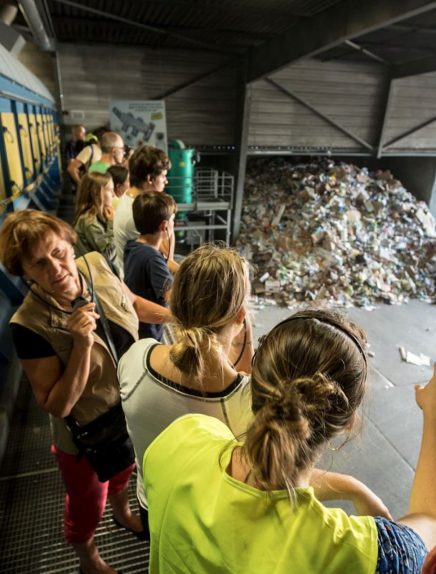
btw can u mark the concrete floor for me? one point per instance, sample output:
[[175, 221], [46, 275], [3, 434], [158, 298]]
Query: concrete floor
[[385, 450]]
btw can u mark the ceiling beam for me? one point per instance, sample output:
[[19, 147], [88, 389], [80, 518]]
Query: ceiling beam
[[157, 30], [414, 68], [368, 53], [343, 21]]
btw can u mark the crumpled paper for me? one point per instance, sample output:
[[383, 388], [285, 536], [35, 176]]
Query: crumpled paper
[[335, 232]]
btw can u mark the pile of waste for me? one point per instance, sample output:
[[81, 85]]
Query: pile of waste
[[335, 232]]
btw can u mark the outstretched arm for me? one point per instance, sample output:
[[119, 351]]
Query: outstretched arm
[[422, 505], [147, 311], [335, 486]]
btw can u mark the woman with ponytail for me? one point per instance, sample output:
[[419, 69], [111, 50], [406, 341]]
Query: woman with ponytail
[[221, 506], [205, 370]]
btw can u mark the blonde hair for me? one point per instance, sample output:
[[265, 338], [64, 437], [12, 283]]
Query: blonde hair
[[22, 230], [308, 379], [88, 200], [209, 289]]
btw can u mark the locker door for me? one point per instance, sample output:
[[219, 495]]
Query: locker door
[[10, 139], [2, 184], [26, 146], [51, 129], [34, 138], [40, 134], [46, 132]]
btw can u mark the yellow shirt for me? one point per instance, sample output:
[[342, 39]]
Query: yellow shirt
[[204, 521]]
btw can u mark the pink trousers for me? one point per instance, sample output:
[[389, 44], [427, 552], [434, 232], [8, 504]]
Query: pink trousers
[[86, 496]]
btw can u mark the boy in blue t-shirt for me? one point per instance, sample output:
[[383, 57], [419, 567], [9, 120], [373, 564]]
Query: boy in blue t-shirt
[[146, 271]]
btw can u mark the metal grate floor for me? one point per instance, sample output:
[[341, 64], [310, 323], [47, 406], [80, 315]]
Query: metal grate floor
[[32, 501]]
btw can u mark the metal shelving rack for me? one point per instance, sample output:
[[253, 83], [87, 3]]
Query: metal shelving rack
[[210, 210]]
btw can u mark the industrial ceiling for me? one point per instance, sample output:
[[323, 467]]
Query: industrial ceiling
[[399, 34]]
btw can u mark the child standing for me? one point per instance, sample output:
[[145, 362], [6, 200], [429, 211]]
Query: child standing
[[94, 217], [146, 270]]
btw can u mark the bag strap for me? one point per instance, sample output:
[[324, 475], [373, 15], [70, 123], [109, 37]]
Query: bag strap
[[104, 322], [106, 328], [91, 157]]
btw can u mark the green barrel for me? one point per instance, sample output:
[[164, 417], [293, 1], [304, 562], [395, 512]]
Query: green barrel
[[181, 175]]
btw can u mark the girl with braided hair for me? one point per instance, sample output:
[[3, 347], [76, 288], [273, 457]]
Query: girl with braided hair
[[204, 371], [254, 507]]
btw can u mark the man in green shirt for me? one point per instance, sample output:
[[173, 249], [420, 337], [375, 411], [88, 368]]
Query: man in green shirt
[[112, 147]]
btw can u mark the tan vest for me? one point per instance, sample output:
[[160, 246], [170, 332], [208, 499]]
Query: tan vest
[[40, 313]]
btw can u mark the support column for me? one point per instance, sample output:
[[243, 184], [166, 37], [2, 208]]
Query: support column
[[240, 158]]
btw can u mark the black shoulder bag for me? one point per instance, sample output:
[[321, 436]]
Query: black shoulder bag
[[104, 441]]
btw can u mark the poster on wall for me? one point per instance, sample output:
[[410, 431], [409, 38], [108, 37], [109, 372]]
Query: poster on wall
[[140, 122]]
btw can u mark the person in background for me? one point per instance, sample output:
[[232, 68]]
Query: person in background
[[112, 152], [89, 154], [148, 169], [93, 221], [66, 354], [120, 175], [256, 506], [205, 371], [77, 142], [72, 148], [146, 271]]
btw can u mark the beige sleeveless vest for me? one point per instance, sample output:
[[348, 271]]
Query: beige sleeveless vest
[[40, 313]]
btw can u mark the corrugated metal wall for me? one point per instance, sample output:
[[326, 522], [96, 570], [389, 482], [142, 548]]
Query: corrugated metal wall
[[350, 94], [200, 114], [413, 102]]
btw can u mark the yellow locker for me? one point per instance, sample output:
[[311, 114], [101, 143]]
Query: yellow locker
[[12, 150], [35, 143], [26, 145], [49, 121], [2, 184], [46, 133], [52, 130], [41, 137]]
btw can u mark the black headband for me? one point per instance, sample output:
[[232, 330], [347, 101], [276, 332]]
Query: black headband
[[328, 321]]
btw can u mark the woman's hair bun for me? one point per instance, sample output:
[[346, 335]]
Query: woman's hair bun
[[287, 411]]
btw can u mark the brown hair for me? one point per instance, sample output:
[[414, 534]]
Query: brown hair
[[209, 289], [22, 230], [308, 379], [147, 161], [150, 209], [119, 174], [89, 194]]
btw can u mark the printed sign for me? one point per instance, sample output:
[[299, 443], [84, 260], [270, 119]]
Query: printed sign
[[140, 122]]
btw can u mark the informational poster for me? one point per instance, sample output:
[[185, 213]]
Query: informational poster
[[140, 122]]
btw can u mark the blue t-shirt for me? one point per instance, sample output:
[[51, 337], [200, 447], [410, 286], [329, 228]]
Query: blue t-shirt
[[146, 273]]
